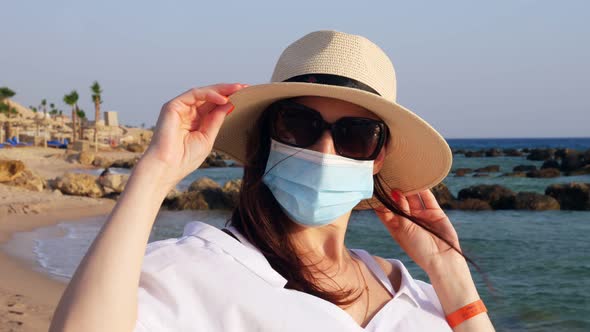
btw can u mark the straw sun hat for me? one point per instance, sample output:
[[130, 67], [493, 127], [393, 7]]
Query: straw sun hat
[[418, 158]]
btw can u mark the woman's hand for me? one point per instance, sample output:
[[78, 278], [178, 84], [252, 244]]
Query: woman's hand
[[427, 250], [187, 128]]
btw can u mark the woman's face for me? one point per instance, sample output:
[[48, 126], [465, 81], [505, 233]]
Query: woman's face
[[332, 110]]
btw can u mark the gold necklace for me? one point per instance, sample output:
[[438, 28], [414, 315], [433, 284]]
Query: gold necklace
[[365, 289]]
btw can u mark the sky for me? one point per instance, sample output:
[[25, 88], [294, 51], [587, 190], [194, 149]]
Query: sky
[[472, 69]]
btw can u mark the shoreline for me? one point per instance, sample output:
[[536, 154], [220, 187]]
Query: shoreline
[[29, 296]]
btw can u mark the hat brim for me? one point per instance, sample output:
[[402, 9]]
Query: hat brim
[[418, 157]]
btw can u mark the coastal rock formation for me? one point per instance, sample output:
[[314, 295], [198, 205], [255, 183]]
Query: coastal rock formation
[[571, 196], [515, 174], [551, 163], [14, 173], [499, 198], [512, 152], [86, 158], [79, 184], [135, 147], [535, 201], [203, 183], [580, 171], [473, 154], [540, 154], [113, 183], [231, 190], [125, 163], [29, 180], [488, 169], [544, 173], [471, 204], [524, 168], [190, 200], [101, 162], [9, 169], [463, 171], [202, 194], [215, 159], [443, 196], [573, 161], [493, 153]]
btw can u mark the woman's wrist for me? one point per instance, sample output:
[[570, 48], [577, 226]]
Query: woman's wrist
[[454, 285], [154, 175]]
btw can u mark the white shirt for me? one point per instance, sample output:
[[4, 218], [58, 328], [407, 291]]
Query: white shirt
[[207, 281]]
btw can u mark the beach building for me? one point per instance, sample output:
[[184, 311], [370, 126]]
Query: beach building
[[111, 118]]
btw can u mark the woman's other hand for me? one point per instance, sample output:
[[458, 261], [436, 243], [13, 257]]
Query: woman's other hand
[[427, 250], [187, 128]]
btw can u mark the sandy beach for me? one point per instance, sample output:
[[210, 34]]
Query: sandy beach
[[28, 297]]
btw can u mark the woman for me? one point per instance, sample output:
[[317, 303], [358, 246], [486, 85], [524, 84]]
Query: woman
[[325, 137]]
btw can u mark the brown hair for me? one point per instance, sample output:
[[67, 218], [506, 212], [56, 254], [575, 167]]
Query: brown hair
[[260, 219]]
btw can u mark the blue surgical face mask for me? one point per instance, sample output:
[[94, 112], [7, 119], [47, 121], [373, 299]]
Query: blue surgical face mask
[[315, 188]]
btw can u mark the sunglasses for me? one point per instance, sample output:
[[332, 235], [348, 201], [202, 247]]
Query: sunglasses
[[301, 126]]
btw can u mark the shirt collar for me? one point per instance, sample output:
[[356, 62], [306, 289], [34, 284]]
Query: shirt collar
[[408, 286], [243, 252], [250, 257]]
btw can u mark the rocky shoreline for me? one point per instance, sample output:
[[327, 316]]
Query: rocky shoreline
[[556, 162], [204, 193]]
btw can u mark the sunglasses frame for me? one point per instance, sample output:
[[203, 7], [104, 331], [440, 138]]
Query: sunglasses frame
[[276, 107]]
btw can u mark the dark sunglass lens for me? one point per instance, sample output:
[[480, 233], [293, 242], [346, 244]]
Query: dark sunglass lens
[[357, 138], [295, 127]]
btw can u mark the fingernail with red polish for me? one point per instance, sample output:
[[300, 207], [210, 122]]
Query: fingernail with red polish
[[230, 110], [395, 196]]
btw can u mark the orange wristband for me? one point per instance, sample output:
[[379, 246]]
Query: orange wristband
[[466, 312]]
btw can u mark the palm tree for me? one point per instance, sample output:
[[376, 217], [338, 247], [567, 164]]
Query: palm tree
[[97, 99], [5, 93], [44, 107], [72, 100], [34, 109], [80, 114]]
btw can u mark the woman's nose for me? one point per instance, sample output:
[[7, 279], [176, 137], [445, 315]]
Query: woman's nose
[[324, 144]]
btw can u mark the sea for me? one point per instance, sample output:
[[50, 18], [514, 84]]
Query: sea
[[534, 266]]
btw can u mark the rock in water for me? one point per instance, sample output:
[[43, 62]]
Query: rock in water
[[471, 204], [202, 184], [473, 154], [499, 198], [524, 168], [515, 174], [114, 182], [551, 163], [541, 154], [580, 171], [544, 173], [231, 191], [571, 196], [494, 153], [462, 171], [488, 169], [535, 201], [190, 200], [572, 161]]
